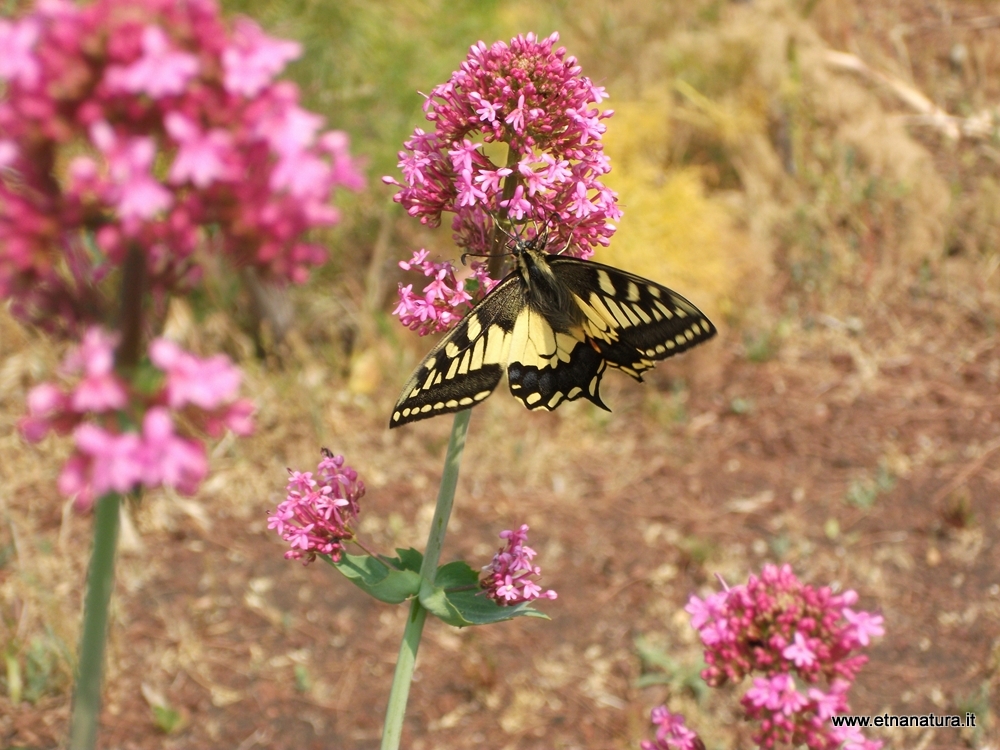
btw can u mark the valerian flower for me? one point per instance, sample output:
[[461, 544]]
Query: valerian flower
[[511, 577], [127, 436], [798, 637], [151, 124], [531, 98], [314, 518]]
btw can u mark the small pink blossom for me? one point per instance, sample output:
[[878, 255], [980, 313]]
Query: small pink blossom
[[444, 300], [865, 625], [508, 578], [18, 63], [253, 59], [202, 158], [799, 652], [314, 518], [168, 459], [206, 383], [161, 71], [671, 734]]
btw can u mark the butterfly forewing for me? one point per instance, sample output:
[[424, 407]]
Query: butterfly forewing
[[632, 321], [466, 365]]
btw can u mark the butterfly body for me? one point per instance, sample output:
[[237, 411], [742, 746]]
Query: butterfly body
[[554, 325]]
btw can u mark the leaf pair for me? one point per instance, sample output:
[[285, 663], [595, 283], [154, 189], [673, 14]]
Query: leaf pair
[[454, 597]]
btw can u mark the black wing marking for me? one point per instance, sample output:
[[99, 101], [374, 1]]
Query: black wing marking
[[466, 365], [633, 322]]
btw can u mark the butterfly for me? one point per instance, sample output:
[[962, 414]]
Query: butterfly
[[554, 325]]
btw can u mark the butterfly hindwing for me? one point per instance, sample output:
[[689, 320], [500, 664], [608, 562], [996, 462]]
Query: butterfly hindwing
[[632, 321], [546, 367], [466, 365]]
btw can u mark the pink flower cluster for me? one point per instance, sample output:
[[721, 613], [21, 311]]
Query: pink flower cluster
[[508, 579], [671, 734], [532, 98], [785, 629], [149, 123], [314, 516], [125, 432], [444, 301]]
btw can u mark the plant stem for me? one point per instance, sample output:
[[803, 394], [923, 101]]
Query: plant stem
[[101, 575], [401, 679], [100, 582]]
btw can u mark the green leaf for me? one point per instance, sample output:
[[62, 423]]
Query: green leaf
[[392, 581], [167, 720], [468, 606]]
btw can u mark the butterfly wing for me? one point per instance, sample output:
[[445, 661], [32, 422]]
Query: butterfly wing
[[546, 367], [466, 365], [630, 321]]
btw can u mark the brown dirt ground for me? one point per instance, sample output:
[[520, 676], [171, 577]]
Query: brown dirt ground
[[631, 513], [864, 450]]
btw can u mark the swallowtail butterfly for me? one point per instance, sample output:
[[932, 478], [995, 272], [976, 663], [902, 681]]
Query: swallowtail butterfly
[[553, 325]]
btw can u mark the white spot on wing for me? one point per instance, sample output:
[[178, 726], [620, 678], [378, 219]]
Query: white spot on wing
[[475, 328], [605, 281]]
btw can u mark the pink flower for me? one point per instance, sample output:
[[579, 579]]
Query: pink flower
[[115, 460], [161, 71], [201, 158], [137, 194], [168, 459], [18, 63], [444, 300], [253, 59], [865, 625], [532, 98], [47, 410], [508, 578], [671, 734], [206, 383], [314, 516], [799, 652]]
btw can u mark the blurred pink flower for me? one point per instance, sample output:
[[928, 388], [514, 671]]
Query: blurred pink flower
[[104, 411], [206, 383], [161, 71], [253, 59], [248, 171], [202, 157], [168, 459], [671, 734], [18, 63]]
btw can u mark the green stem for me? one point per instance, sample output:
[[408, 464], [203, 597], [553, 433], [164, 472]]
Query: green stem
[[405, 664], [100, 581]]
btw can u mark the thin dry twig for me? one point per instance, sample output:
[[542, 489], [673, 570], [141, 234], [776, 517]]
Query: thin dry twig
[[979, 126], [966, 472]]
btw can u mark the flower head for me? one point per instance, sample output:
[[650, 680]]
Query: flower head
[[126, 435], [529, 96], [510, 578], [671, 734], [797, 636], [315, 514], [189, 145]]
